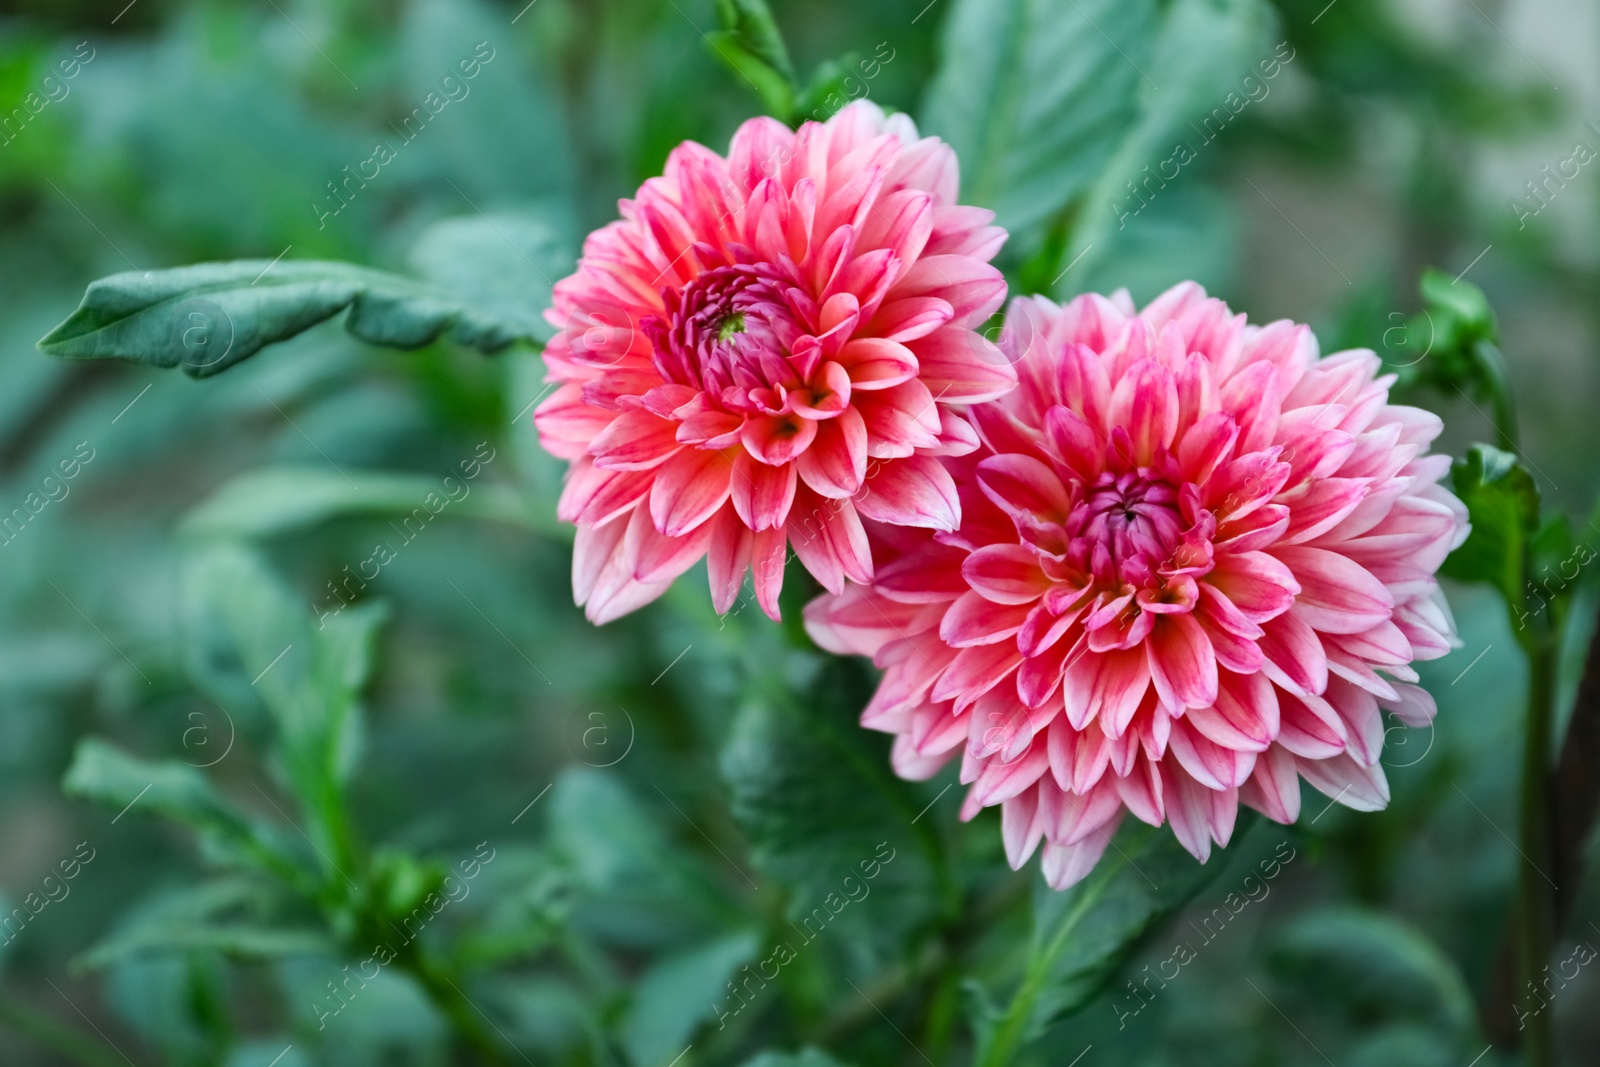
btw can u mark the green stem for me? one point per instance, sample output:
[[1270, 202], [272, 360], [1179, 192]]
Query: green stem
[[1013, 1030], [465, 1019], [1534, 899]]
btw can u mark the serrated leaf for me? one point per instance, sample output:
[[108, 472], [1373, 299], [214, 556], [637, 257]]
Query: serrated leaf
[[1036, 95], [1084, 934], [1503, 507], [110, 777], [505, 263], [1373, 966], [814, 797], [210, 316]]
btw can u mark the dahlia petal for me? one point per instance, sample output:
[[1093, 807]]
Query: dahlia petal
[[912, 765], [836, 463], [877, 363], [657, 557], [1245, 716], [1006, 574], [688, 489], [1145, 402], [831, 542], [1348, 782], [1078, 759], [592, 550], [974, 672], [1064, 866], [727, 559], [916, 491], [1076, 443], [1023, 486], [974, 620], [1412, 705], [1295, 658], [1189, 809], [1018, 829], [1000, 781], [761, 494], [1274, 786], [777, 439], [1212, 765], [1206, 446], [1337, 594], [962, 367], [1107, 687], [1261, 586], [1309, 727], [1363, 722], [1183, 664], [766, 566], [1140, 790]]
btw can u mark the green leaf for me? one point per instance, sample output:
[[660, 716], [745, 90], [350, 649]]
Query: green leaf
[[1373, 966], [282, 500], [505, 263], [1203, 52], [110, 777], [814, 796], [210, 316], [750, 44], [1503, 506], [677, 994], [1082, 935], [1036, 95], [309, 676]]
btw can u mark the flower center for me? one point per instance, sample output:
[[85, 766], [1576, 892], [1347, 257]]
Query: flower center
[[1134, 516], [729, 333]]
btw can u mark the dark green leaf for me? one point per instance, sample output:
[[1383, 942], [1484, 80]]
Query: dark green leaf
[[814, 797], [124, 783], [1204, 51], [1373, 966], [1083, 934], [1503, 506], [504, 263], [1036, 95], [208, 317], [677, 994]]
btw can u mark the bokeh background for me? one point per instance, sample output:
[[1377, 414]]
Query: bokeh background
[[654, 815]]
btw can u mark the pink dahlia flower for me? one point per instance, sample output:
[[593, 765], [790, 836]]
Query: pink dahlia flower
[[765, 349], [1194, 562]]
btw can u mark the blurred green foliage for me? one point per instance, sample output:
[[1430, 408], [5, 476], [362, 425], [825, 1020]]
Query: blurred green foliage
[[286, 765]]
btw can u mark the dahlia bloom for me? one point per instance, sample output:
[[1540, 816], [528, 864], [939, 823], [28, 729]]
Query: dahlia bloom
[[736, 348], [1194, 562]]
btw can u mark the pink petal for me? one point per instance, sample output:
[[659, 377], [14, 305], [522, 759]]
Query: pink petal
[[916, 491], [761, 494], [1182, 663], [688, 490]]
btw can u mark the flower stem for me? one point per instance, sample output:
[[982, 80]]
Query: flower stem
[[1534, 895], [1013, 1030]]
